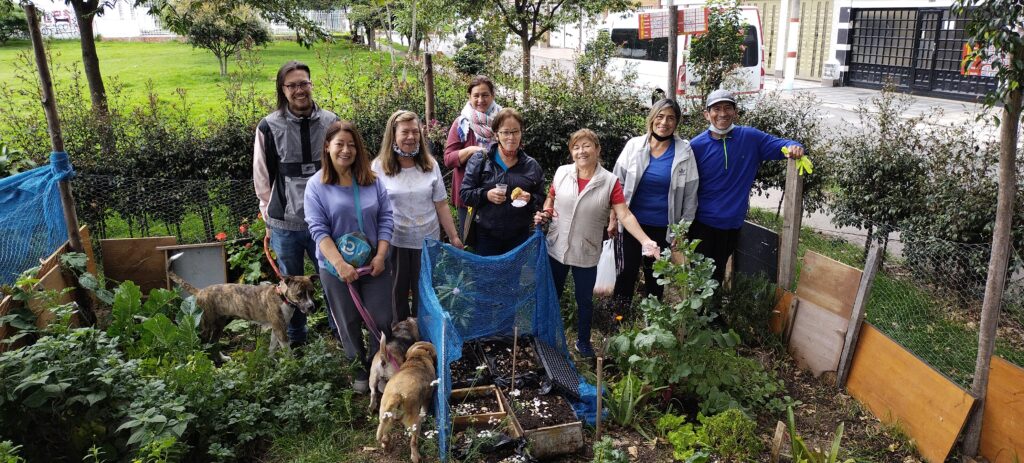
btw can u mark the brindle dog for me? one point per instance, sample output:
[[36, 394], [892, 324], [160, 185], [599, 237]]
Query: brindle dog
[[269, 305]]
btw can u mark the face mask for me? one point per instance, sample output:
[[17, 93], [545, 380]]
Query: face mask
[[400, 153], [714, 129], [659, 137]]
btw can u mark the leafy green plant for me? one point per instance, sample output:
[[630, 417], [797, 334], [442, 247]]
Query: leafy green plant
[[9, 452], [605, 452], [731, 434], [627, 401], [717, 52], [683, 437], [803, 454], [746, 306], [12, 161], [471, 59]]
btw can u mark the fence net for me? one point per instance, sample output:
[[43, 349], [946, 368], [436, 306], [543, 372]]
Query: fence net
[[193, 211], [31, 219]]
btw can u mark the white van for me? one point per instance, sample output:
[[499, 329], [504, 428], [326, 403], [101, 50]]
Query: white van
[[649, 58]]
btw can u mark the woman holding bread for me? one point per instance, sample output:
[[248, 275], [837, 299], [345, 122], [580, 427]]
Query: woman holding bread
[[504, 186], [580, 201]]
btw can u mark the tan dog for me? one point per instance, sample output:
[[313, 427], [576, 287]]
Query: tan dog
[[391, 355], [269, 305], [408, 394]]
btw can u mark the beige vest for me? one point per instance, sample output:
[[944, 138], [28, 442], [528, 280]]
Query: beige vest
[[576, 232]]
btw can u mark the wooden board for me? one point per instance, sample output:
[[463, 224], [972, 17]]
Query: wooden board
[[900, 388], [53, 281], [780, 314], [138, 260], [817, 338], [828, 283], [1002, 430]]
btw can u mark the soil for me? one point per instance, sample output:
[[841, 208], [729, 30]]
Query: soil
[[499, 354], [534, 410], [466, 371], [476, 404]]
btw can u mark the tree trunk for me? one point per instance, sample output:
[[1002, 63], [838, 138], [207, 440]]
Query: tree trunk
[[996, 283], [414, 45], [371, 38], [84, 12], [223, 61], [527, 46]]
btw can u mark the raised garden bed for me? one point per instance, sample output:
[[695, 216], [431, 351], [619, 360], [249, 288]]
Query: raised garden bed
[[547, 421], [480, 407]]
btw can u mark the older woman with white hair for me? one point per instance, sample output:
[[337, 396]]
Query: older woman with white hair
[[419, 202], [658, 172]]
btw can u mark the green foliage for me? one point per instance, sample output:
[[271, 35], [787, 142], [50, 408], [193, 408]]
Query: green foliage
[[627, 401], [471, 59], [246, 255], [803, 454], [605, 452], [879, 172], [994, 30], [596, 55], [220, 27], [731, 434], [717, 52], [13, 161], [9, 452], [683, 437], [12, 21], [680, 347], [746, 306]]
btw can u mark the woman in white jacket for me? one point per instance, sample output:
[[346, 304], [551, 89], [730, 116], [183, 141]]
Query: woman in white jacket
[[659, 180], [579, 204]]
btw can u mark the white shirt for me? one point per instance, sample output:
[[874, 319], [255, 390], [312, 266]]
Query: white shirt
[[413, 193]]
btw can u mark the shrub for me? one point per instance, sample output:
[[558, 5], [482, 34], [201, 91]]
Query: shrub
[[605, 452], [12, 21], [746, 306], [471, 59], [731, 434]]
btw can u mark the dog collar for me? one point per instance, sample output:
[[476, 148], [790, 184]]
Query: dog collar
[[284, 298]]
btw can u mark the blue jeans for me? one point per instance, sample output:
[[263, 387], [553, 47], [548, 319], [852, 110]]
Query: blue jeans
[[583, 278], [290, 247]]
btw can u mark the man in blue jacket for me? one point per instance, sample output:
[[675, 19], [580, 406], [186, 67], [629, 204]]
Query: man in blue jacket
[[728, 157]]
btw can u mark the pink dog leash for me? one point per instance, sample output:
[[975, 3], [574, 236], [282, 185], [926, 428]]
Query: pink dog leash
[[374, 331]]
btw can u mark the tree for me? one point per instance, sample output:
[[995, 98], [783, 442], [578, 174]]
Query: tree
[[531, 19], [717, 52], [12, 21], [214, 26], [994, 28]]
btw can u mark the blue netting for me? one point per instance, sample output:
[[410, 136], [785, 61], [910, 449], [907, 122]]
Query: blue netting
[[31, 220], [465, 296]]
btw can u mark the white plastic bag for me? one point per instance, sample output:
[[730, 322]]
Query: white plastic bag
[[605, 283]]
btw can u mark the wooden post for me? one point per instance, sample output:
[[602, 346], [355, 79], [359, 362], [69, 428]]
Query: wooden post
[[515, 350], [67, 199], [428, 81], [867, 280], [673, 48], [794, 208]]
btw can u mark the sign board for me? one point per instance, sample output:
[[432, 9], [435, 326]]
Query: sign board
[[689, 21], [977, 67], [830, 71]]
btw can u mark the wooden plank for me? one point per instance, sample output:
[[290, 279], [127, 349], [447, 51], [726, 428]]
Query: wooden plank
[[1002, 430], [816, 341], [829, 283], [900, 388], [137, 259], [860, 303], [792, 215], [780, 314]]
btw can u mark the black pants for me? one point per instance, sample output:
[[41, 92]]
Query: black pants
[[491, 243], [406, 264], [716, 244], [632, 259]]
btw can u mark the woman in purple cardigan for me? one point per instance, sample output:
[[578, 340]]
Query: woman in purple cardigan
[[344, 185]]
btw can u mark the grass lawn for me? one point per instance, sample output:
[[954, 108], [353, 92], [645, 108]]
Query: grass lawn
[[173, 65]]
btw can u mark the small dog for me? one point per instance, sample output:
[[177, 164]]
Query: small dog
[[407, 396], [269, 305], [391, 355]]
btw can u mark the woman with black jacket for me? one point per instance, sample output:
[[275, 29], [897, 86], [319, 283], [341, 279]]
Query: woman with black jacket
[[505, 187]]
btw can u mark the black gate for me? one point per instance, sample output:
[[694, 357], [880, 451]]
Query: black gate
[[917, 50]]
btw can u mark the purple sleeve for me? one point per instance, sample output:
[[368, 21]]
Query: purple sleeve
[[316, 213], [385, 217]]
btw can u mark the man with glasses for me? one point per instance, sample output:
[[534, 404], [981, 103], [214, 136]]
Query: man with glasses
[[728, 157], [289, 144]]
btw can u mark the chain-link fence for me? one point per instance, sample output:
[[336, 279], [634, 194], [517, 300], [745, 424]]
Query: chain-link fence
[[194, 211]]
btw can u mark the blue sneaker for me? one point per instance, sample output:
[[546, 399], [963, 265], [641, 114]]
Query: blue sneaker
[[585, 349]]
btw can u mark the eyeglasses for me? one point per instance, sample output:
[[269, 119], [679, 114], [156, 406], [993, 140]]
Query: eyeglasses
[[304, 85], [511, 133]]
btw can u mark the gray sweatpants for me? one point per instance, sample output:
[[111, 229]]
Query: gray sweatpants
[[377, 294]]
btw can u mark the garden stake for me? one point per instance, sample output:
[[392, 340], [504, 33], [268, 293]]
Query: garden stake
[[600, 371], [515, 346]]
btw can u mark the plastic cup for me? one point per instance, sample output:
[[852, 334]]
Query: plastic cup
[[503, 187]]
